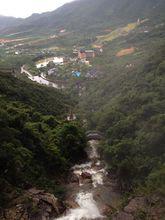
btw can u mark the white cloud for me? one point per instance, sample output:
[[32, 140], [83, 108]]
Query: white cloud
[[24, 8]]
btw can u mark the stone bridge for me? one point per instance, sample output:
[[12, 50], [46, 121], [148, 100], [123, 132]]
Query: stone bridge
[[94, 135]]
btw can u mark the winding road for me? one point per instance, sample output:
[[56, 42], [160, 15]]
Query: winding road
[[39, 79]]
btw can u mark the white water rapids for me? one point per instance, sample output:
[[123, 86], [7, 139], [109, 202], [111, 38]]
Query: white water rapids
[[87, 207]]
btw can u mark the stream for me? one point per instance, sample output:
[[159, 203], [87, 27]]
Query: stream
[[90, 194]]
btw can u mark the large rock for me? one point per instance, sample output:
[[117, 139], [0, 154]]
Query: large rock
[[15, 213], [34, 204], [107, 210], [70, 204], [138, 203], [47, 203], [152, 207], [51, 200], [73, 178], [86, 175]]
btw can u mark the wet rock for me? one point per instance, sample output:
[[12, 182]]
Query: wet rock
[[51, 200], [106, 210], [123, 216], [70, 204], [34, 204], [86, 175], [74, 179]]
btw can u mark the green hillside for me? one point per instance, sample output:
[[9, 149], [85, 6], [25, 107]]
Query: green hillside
[[127, 104], [43, 99], [37, 144], [78, 16]]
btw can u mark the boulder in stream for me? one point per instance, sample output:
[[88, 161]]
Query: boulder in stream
[[86, 175], [73, 178]]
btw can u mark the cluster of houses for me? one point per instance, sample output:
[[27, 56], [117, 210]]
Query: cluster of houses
[[80, 56], [86, 55]]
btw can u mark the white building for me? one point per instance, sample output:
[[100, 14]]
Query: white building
[[45, 62], [58, 60]]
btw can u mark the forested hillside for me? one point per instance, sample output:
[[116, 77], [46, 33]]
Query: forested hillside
[[118, 93], [127, 103], [90, 16], [37, 144], [43, 99]]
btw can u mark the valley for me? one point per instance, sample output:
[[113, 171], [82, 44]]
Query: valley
[[82, 112]]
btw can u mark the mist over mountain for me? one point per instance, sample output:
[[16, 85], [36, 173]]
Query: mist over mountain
[[87, 15], [6, 22]]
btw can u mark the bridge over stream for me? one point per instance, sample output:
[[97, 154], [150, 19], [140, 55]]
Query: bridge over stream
[[94, 135]]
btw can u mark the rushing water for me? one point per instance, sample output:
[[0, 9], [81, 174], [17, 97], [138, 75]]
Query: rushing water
[[87, 206]]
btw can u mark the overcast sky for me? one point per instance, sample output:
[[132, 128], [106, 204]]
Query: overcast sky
[[24, 8]]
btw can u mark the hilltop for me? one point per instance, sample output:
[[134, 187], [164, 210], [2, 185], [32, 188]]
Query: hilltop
[[7, 22], [78, 16]]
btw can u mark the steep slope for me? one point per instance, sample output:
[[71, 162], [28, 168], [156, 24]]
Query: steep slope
[[43, 99], [127, 104], [91, 15], [37, 144]]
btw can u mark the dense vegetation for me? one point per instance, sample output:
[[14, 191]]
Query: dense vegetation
[[43, 99], [37, 148], [135, 128], [128, 106]]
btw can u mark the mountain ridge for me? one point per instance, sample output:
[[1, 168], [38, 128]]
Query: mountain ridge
[[76, 15]]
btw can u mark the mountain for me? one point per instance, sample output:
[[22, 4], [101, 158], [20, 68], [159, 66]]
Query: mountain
[[90, 15], [7, 22]]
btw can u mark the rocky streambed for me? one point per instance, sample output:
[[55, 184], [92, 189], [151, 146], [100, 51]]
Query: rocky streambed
[[91, 193]]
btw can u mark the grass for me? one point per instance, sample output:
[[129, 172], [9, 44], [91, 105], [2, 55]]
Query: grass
[[116, 33]]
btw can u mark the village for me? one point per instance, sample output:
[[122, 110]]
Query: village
[[79, 64], [52, 63]]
